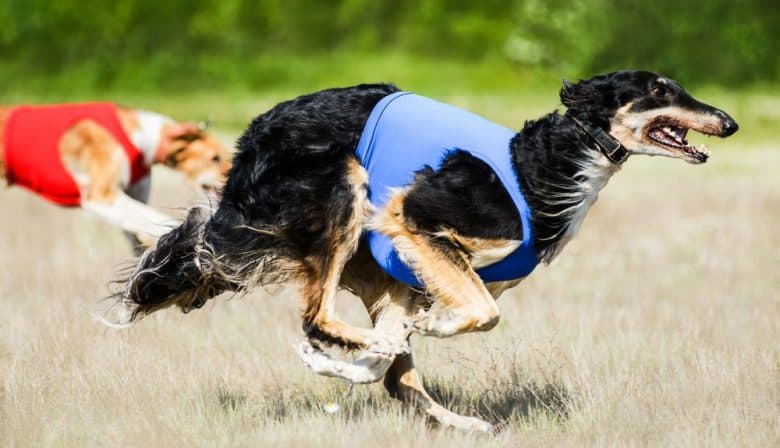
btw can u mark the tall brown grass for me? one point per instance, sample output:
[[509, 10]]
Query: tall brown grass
[[659, 325]]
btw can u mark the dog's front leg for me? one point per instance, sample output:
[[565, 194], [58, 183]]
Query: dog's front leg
[[461, 302], [402, 380], [404, 383], [132, 216], [139, 191]]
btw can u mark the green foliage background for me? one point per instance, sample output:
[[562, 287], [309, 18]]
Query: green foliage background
[[152, 45]]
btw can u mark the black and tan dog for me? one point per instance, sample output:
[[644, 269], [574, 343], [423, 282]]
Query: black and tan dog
[[295, 208]]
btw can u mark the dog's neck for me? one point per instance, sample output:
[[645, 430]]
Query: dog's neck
[[561, 176], [149, 136]]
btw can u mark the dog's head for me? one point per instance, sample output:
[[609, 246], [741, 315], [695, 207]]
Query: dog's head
[[647, 113], [202, 159]]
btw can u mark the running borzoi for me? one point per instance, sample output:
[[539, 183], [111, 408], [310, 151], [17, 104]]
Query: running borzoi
[[425, 211]]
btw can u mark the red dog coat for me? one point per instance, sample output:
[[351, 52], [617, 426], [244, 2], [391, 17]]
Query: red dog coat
[[32, 156]]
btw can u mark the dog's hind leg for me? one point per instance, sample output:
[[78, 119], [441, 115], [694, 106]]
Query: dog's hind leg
[[401, 379], [366, 368], [391, 315], [390, 319], [323, 272]]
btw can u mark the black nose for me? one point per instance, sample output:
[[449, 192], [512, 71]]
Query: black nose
[[729, 127]]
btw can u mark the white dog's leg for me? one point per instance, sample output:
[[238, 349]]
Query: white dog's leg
[[140, 191], [132, 216]]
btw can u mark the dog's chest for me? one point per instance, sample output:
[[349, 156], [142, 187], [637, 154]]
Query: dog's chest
[[594, 175]]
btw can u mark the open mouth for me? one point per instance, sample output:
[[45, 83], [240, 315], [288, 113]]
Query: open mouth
[[673, 136]]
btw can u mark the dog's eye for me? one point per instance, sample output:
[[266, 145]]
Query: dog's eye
[[215, 159], [659, 90]]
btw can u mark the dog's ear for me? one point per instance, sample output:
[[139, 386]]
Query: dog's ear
[[184, 131], [573, 95]]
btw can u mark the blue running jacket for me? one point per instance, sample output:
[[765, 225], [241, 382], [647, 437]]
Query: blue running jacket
[[404, 133]]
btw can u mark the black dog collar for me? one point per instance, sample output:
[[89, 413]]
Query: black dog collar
[[608, 144]]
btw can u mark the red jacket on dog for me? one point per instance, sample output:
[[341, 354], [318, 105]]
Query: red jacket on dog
[[32, 156]]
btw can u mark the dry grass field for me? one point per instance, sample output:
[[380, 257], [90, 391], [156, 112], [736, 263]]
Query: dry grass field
[[658, 326]]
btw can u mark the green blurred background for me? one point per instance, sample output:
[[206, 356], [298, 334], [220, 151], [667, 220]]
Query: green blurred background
[[225, 52]]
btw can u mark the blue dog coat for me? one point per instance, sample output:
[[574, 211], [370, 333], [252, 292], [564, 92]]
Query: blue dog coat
[[404, 133]]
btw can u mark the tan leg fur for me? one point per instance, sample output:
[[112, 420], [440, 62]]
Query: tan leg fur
[[462, 303], [319, 290]]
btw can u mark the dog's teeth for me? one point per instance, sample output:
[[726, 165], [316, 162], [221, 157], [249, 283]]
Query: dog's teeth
[[668, 130]]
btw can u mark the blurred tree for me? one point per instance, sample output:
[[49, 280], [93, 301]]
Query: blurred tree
[[720, 41]]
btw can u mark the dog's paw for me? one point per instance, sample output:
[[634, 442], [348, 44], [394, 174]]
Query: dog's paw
[[366, 368], [469, 424], [440, 324], [317, 360], [389, 346]]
